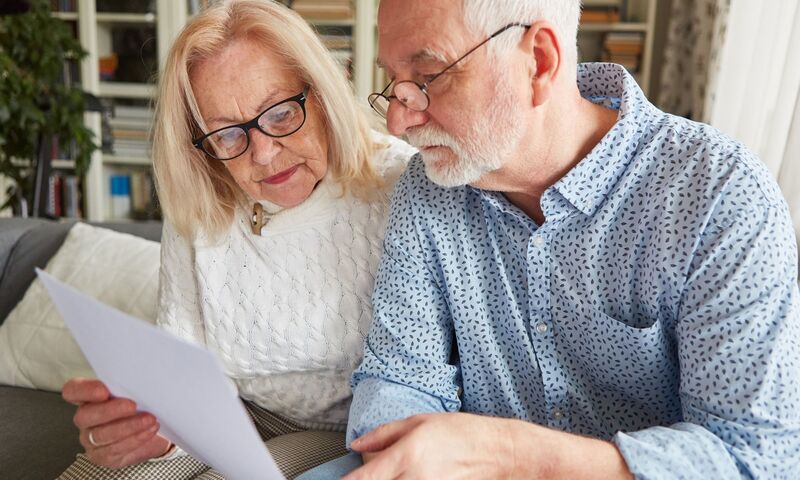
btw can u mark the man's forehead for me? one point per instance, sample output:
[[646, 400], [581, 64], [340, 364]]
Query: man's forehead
[[419, 35]]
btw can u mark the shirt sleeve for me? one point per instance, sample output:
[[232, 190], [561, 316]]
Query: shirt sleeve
[[406, 368], [178, 300], [737, 339]]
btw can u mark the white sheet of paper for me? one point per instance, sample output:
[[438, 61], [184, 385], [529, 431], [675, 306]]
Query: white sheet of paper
[[183, 385]]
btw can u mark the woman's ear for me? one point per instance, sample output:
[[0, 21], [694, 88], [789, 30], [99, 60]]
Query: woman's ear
[[543, 45]]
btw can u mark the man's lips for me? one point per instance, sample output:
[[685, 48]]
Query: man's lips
[[282, 176]]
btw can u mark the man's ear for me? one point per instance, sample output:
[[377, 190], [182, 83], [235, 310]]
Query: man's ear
[[544, 47]]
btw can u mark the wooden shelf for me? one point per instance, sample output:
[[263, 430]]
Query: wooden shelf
[[144, 18], [127, 90], [127, 161], [613, 27], [68, 16], [324, 22]]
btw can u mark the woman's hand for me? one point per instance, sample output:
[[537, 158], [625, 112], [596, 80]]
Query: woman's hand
[[112, 432]]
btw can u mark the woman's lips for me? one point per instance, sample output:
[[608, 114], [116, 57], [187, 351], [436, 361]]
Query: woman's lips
[[281, 177]]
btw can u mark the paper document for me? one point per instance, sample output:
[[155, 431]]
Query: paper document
[[183, 385]]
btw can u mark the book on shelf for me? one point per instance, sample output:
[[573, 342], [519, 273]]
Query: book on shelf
[[324, 9], [630, 62], [600, 15], [129, 129], [133, 196], [63, 5], [63, 196], [337, 42]]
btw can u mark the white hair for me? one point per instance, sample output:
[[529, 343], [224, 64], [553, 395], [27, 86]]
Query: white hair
[[488, 16]]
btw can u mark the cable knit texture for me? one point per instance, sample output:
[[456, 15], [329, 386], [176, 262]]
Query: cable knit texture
[[286, 312]]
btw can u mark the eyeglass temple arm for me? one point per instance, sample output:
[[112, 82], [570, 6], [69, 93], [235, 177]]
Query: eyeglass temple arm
[[475, 48]]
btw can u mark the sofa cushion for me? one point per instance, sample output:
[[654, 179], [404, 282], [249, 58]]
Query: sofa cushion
[[37, 438], [36, 349], [25, 244]]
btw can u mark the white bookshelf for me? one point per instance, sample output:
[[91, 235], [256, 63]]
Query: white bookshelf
[[639, 16], [95, 31]]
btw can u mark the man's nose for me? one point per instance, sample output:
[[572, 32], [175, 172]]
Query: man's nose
[[400, 118]]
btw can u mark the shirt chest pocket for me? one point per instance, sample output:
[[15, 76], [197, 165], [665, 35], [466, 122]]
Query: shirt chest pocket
[[621, 357]]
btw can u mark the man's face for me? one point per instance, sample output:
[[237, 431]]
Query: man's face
[[472, 123]]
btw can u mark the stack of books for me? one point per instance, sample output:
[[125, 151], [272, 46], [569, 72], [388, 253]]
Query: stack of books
[[624, 48], [130, 129], [600, 14], [324, 9]]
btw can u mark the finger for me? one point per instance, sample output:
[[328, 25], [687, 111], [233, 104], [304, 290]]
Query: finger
[[132, 450], [113, 432], [385, 465], [386, 435], [94, 414], [81, 390]]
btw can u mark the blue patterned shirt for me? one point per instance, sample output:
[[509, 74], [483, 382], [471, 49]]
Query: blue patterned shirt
[[656, 307]]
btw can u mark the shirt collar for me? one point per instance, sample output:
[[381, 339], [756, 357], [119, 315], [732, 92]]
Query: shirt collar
[[588, 184]]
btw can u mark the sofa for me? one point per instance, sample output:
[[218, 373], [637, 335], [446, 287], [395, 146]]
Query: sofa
[[37, 437]]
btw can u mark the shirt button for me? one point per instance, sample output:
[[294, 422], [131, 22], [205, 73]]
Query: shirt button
[[558, 414], [541, 328], [538, 241]]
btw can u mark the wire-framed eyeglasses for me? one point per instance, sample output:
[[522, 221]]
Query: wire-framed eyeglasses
[[279, 120], [413, 95]]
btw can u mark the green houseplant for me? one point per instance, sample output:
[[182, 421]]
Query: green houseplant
[[36, 100]]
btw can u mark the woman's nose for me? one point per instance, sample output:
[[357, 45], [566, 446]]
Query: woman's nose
[[263, 148]]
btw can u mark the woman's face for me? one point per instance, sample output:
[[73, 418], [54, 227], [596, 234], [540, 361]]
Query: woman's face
[[237, 85]]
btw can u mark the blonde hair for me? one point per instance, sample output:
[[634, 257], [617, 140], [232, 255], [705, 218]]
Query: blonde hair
[[197, 193]]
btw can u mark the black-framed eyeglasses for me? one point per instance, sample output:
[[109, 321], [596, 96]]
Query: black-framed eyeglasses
[[279, 120], [413, 95]]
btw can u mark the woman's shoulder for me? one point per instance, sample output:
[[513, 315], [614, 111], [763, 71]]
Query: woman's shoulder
[[391, 156]]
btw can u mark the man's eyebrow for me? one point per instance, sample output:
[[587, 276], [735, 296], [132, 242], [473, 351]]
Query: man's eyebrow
[[426, 55]]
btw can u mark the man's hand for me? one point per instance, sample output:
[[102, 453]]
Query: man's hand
[[465, 446], [441, 445]]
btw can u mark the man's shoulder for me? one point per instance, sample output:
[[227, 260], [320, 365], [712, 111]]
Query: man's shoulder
[[713, 161]]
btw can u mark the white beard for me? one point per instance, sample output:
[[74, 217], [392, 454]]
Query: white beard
[[483, 149]]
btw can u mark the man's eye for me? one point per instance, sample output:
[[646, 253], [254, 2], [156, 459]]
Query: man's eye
[[427, 78]]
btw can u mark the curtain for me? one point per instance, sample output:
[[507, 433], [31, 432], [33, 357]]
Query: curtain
[[757, 88], [696, 32]]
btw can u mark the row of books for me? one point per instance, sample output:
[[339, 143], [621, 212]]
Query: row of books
[[63, 5], [603, 11], [130, 131], [624, 48], [63, 196], [133, 197]]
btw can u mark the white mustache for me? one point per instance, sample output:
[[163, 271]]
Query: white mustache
[[430, 137]]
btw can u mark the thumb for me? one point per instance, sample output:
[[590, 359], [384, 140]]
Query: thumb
[[385, 435]]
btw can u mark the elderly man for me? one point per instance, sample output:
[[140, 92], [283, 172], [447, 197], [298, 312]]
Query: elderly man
[[602, 290]]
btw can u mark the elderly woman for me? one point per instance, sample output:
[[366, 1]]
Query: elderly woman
[[275, 194]]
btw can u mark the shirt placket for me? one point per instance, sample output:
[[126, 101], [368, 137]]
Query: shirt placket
[[554, 382]]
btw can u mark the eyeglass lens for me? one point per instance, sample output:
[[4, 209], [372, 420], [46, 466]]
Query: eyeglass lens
[[279, 121]]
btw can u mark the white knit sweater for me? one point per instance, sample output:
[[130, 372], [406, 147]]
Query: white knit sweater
[[286, 312]]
